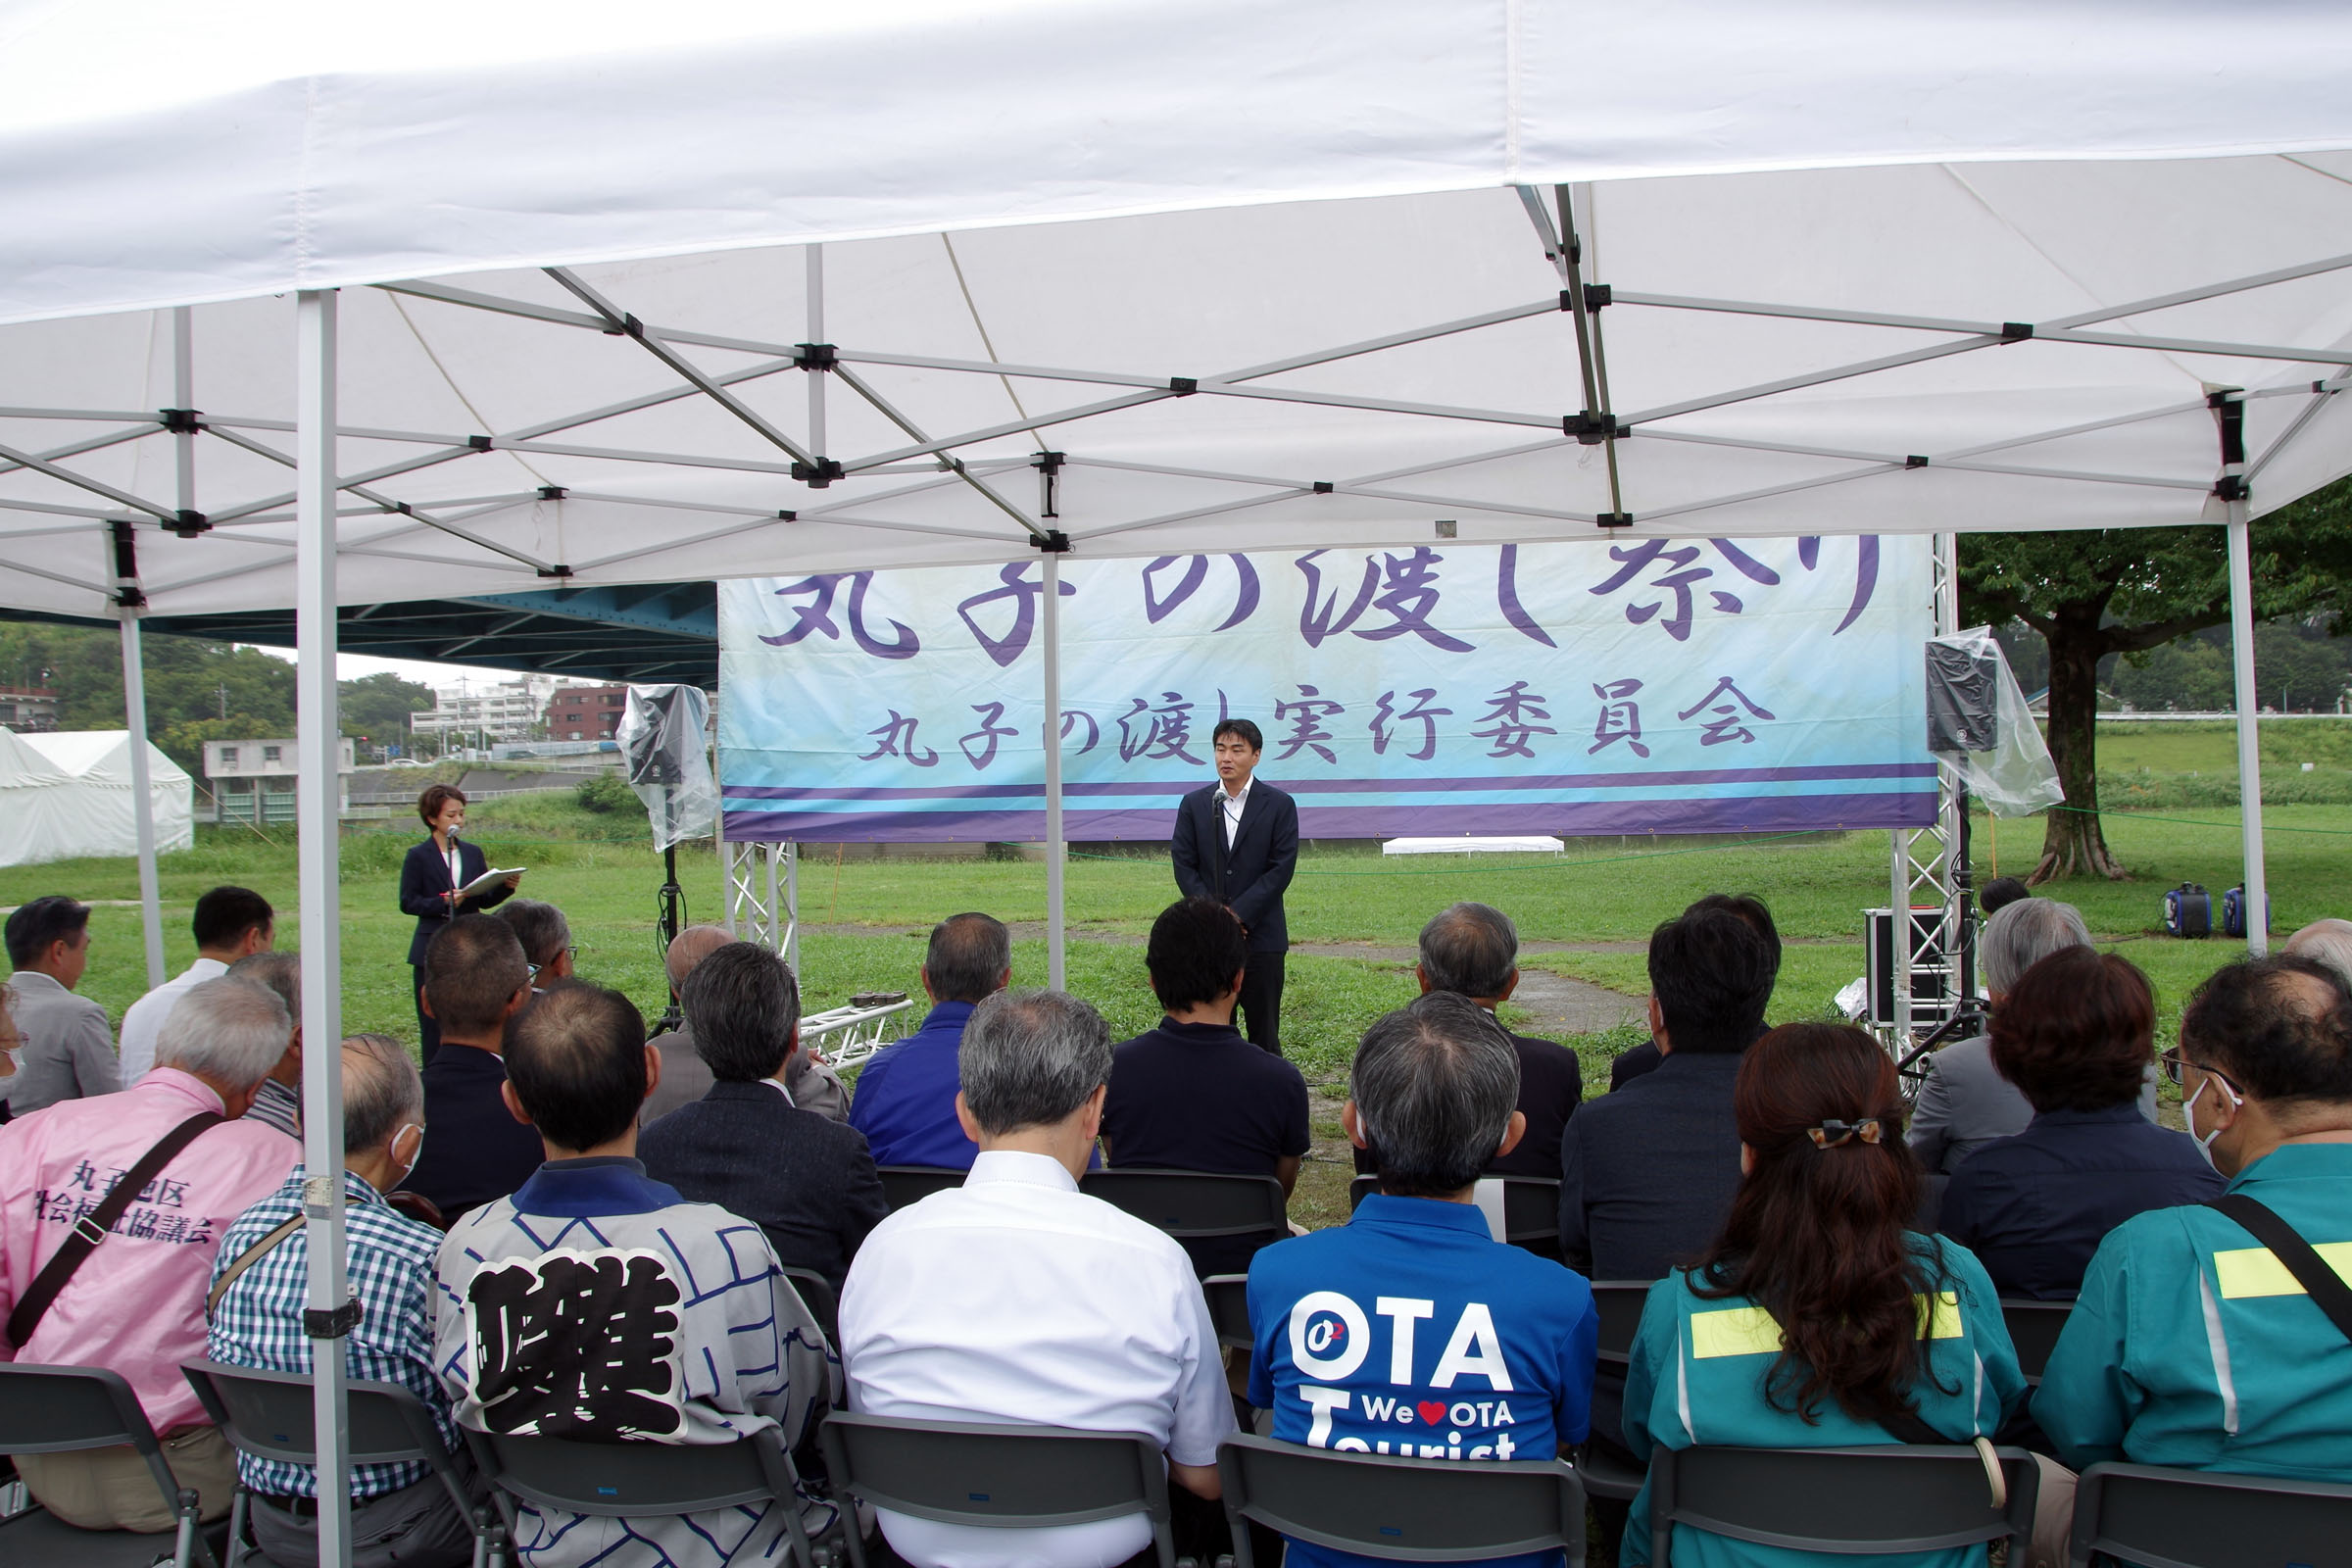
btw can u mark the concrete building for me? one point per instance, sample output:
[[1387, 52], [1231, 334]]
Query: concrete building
[[29, 710], [253, 781], [506, 712], [585, 713]]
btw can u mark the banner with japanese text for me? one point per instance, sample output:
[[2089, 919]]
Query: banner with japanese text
[[1651, 686]]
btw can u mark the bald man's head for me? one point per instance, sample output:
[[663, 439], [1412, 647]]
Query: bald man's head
[[691, 947], [2329, 942]]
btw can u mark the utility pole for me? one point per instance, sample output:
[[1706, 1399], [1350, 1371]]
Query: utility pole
[[224, 690]]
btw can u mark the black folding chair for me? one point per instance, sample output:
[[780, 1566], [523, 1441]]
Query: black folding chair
[[1360, 1188], [1229, 1308], [1410, 1510], [2034, 1328], [2165, 1518], [1619, 1301], [1531, 1209], [912, 1184], [995, 1477], [817, 1294], [646, 1480], [269, 1415], [64, 1409], [1894, 1498], [1195, 1206]]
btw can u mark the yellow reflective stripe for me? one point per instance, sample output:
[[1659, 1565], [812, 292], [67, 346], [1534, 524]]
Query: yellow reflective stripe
[[1734, 1331], [1752, 1331], [2256, 1270], [1939, 1320]]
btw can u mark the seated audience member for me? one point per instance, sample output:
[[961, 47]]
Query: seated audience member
[[1016, 1299], [1963, 1102], [1473, 951], [685, 1079], [2075, 1038], [399, 1513], [2000, 893], [1816, 1319], [546, 938], [1648, 1170], [1645, 1058], [808, 1182], [905, 1099], [135, 1303], [1418, 1309], [475, 979], [279, 1103], [1193, 1093], [2330, 942], [597, 1304], [2193, 1341], [68, 1049], [230, 923]]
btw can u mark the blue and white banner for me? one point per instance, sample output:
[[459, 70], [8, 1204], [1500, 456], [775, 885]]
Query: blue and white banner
[[1655, 686]]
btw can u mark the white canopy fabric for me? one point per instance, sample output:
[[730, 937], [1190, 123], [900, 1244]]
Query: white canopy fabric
[[69, 793]]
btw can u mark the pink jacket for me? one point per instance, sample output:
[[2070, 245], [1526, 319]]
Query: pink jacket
[[138, 1303]]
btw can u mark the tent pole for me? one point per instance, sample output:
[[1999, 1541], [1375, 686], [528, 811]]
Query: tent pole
[[816, 334], [2250, 730], [315, 749], [791, 901], [142, 792], [1057, 972]]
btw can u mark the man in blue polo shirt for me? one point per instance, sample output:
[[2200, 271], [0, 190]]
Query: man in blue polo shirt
[[1410, 1330], [905, 1098], [1195, 1095]]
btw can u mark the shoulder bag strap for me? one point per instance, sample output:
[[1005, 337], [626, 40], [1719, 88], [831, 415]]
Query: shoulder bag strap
[[2327, 1288], [93, 1228], [246, 1259]]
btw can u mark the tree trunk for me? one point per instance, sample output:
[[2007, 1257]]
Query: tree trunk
[[2073, 845]]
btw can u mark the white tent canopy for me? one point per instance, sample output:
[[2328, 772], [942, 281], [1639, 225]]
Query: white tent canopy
[[69, 793], [1263, 276]]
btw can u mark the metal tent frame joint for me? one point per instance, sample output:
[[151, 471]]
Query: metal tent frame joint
[[1184, 387], [817, 475], [557, 569], [181, 421], [1589, 428], [816, 357], [552, 492], [190, 523], [1323, 487], [1916, 460], [2016, 332], [1615, 519], [1597, 295], [1052, 542]]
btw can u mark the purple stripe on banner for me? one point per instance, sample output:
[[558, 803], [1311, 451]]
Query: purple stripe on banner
[[1787, 814], [1307, 789]]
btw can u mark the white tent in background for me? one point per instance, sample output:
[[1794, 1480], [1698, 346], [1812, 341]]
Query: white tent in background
[[766, 289], [68, 793]]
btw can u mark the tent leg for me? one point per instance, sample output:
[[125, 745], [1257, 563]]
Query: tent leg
[[1057, 972], [791, 901], [316, 754], [142, 793], [2250, 730]]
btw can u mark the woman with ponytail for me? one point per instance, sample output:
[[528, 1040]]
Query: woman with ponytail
[[1818, 1319]]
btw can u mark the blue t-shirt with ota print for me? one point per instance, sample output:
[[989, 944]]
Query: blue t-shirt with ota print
[[1412, 1331]]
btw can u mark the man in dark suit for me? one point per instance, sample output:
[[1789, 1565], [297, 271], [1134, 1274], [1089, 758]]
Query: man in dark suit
[[808, 1182], [1645, 1058], [1237, 842], [475, 979], [1472, 950]]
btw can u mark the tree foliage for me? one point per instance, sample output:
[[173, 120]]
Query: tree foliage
[[2089, 595]]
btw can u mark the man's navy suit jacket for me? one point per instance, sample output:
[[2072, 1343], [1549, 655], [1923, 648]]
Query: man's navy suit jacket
[[804, 1180], [1250, 877]]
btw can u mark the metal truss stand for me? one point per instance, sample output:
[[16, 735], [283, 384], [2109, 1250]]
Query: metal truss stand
[[1933, 996], [759, 909]]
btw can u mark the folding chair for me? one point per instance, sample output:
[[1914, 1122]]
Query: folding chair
[[1410, 1510], [269, 1415], [2034, 1328], [1896, 1498], [63, 1409], [1620, 1301], [1195, 1206], [1530, 1207], [2165, 1518], [1229, 1308], [995, 1477], [912, 1184], [646, 1480], [817, 1294]]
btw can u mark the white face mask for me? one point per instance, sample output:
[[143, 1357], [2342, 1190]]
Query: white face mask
[[410, 1168], [2188, 1113]]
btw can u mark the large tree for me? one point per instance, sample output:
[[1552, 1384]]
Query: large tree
[[2126, 591]]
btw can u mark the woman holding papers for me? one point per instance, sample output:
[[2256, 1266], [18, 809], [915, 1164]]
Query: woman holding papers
[[436, 883]]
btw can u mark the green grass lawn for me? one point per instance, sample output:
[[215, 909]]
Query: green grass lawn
[[602, 872]]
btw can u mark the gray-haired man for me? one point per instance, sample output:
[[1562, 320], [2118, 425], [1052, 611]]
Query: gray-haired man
[[1965, 1103], [1016, 1299]]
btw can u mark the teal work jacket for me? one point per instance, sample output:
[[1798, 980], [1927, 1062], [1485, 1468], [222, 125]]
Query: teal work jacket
[[1697, 1378], [2192, 1345]]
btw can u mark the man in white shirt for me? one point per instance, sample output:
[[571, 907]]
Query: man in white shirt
[[230, 923], [1016, 1299]]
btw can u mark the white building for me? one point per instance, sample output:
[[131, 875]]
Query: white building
[[487, 715], [253, 781]]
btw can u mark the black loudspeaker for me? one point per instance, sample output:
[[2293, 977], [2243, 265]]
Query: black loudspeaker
[[1963, 697]]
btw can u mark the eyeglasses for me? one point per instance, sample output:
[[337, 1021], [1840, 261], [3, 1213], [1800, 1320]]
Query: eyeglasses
[[2174, 1062]]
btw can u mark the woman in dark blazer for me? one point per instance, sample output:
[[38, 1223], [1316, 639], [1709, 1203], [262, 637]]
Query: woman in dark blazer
[[428, 884]]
